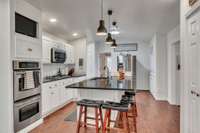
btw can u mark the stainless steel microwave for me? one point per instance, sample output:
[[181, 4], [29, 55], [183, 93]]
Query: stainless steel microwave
[[58, 55]]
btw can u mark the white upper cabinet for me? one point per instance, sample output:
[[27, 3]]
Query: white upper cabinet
[[46, 46], [26, 47], [70, 54], [49, 41]]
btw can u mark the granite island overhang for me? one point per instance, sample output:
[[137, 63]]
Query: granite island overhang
[[102, 83]]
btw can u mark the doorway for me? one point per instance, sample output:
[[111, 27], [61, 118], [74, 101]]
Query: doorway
[[174, 75], [105, 64]]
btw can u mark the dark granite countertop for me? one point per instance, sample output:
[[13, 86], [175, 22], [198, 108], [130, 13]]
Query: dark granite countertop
[[105, 84], [56, 78]]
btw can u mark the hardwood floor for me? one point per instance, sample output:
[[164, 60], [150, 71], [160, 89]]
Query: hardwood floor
[[153, 117]]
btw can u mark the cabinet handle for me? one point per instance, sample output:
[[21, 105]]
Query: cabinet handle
[[198, 95], [192, 92], [30, 50]]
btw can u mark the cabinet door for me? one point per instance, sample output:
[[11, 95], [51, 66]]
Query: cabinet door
[[67, 94], [194, 73], [47, 45], [68, 54], [46, 99], [72, 60], [64, 96], [28, 48], [55, 97]]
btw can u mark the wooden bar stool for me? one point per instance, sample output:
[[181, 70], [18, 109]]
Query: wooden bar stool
[[132, 94], [84, 104], [123, 111], [129, 100]]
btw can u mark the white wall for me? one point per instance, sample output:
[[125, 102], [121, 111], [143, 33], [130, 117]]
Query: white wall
[[143, 62], [80, 52], [6, 102], [152, 76], [159, 67], [91, 66], [173, 37]]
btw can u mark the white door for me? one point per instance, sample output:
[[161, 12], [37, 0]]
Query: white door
[[177, 72], [194, 73]]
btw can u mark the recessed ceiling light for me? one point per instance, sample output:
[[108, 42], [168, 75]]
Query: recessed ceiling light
[[75, 34], [53, 20]]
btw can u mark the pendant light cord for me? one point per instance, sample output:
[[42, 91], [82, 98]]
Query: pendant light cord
[[102, 9], [109, 24]]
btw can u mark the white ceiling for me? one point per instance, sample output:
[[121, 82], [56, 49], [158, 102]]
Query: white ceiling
[[138, 20]]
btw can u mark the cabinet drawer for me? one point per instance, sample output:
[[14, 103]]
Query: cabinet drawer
[[27, 48]]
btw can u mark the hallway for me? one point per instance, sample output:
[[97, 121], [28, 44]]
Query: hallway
[[153, 117]]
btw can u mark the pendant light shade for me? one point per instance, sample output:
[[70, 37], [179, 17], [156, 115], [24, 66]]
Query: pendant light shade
[[115, 29], [101, 30], [109, 39], [114, 44]]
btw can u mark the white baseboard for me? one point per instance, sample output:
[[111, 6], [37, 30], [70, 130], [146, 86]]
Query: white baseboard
[[172, 102], [31, 127], [45, 114], [159, 97]]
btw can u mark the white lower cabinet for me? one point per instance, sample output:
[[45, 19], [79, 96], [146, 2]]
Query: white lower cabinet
[[50, 98], [55, 95]]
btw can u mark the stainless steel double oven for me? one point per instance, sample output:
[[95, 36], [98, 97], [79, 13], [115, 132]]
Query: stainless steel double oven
[[27, 89]]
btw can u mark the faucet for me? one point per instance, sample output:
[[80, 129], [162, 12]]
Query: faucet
[[59, 73]]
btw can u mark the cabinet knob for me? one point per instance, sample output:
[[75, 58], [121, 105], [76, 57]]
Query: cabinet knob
[[192, 92], [30, 49], [198, 95]]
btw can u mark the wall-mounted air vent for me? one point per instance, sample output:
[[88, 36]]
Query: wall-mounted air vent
[[126, 47]]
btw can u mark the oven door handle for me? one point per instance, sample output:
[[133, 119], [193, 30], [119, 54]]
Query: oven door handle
[[27, 102]]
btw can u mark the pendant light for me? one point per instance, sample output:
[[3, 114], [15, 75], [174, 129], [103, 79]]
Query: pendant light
[[115, 29], [101, 31], [114, 44], [109, 39]]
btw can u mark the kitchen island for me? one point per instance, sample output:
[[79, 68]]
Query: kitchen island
[[101, 88], [103, 83]]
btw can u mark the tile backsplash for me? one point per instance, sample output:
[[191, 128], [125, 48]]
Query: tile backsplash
[[52, 69]]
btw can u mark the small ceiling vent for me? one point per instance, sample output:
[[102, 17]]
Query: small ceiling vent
[[126, 47]]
